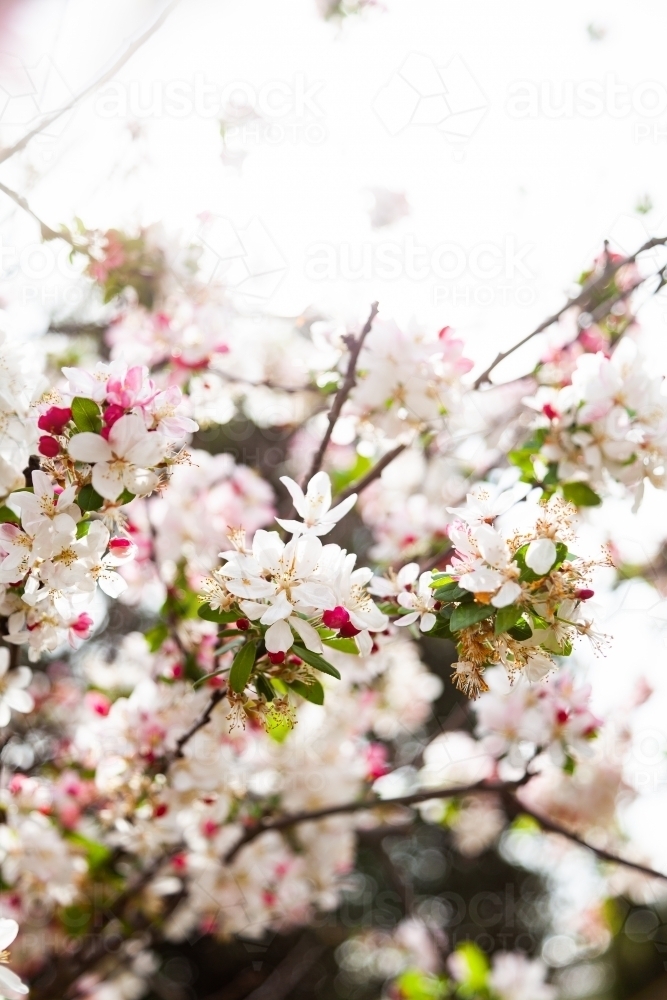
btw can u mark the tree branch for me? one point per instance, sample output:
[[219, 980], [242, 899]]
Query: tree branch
[[506, 790], [91, 88], [574, 838], [46, 232], [218, 695], [611, 267], [373, 473], [355, 344], [293, 819]]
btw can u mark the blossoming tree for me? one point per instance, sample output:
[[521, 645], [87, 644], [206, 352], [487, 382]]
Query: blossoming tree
[[236, 689]]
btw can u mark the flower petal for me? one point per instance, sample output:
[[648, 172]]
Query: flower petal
[[87, 447], [279, 638], [308, 634]]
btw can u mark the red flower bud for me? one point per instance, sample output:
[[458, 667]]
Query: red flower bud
[[54, 419], [277, 657], [243, 624], [585, 594], [336, 618], [48, 446], [549, 411], [348, 630], [112, 413]]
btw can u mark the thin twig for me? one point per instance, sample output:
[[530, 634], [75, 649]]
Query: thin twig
[[91, 88], [355, 344], [611, 267], [373, 473], [46, 232], [203, 720], [600, 852]]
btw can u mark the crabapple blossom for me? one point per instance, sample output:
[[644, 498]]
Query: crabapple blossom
[[124, 461]]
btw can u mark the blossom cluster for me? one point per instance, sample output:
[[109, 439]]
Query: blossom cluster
[[513, 599], [607, 426], [296, 596], [110, 443]]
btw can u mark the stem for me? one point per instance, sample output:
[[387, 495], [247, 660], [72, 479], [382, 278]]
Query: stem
[[584, 295], [198, 724], [91, 88], [373, 473], [355, 344], [506, 789]]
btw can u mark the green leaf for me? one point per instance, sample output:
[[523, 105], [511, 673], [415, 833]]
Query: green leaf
[[581, 495], [86, 415], [7, 515], [97, 854], [89, 499], [450, 592], [220, 617], [469, 614], [82, 528], [242, 666], [311, 692], [264, 687], [440, 630], [156, 636], [521, 631], [315, 660], [126, 497], [476, 969], [506, 618], [343, 645]]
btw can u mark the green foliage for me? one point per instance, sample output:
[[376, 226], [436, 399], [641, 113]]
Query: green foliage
[[242, 666], [264, 686], [451, 592], [220, 617], [414, 984], [156, 636], [86, 415], [521, 631], [82, 528], [348, 646], [476, 966], [469, 614], [89, 499], [506, 618], [8, 516], [311, 692], [523, 457], [341, 479], [97, 855], [581, 494], [527, 575], [315, 660]]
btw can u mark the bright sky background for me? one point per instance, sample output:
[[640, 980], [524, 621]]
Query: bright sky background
[[550, 187]]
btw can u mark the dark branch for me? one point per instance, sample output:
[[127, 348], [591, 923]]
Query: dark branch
[[355, 344], [373, 473], [611, 267]]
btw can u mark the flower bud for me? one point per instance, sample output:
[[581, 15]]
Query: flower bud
[[48, 446]]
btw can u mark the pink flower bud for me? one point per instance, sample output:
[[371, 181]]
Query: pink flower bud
[[550, 412], [82, 626], [112, 413], [277, 657], [585, 594], [348, 631], [336, 618]]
